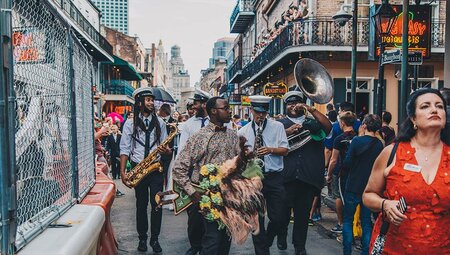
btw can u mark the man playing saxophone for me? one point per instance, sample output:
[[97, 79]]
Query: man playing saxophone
[[270, 138], [142, 135], [303, 167]]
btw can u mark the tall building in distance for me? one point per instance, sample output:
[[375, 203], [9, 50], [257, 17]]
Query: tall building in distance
[[220, 51], [114, 14], [180, 76]]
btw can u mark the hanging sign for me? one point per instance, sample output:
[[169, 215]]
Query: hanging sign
[[275, 90], [419, 30], [245, 101]]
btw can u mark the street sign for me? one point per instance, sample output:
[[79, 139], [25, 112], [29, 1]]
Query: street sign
[[391, 56], [415, 58], [395, 57]]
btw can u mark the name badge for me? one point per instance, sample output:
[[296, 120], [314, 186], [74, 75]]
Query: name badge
[[412, 168]]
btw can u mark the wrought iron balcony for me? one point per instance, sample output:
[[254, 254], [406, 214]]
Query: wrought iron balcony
[[321, 34], [242, 15], [118, 87], [72, 11]]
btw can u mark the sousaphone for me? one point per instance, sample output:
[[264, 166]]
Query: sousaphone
[[314, 80]]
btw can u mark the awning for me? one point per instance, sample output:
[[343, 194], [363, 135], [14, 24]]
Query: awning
[[127, 71], [118, 98]]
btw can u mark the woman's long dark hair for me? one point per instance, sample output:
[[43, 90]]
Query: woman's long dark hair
[[407, 131], [139, 123]]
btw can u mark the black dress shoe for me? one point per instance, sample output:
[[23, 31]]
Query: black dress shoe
[[192, 251], [142, 245], [155, 246], [281, 243]]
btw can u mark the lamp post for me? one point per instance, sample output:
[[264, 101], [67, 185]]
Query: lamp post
[[384, 17]]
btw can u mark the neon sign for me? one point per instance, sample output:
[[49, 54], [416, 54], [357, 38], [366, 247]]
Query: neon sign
[[28, 45], [419, 30]]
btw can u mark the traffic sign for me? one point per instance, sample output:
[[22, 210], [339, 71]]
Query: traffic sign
[[395, 57], [391, 56]]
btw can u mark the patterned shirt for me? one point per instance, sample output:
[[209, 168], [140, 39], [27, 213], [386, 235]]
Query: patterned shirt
[[205, 147]]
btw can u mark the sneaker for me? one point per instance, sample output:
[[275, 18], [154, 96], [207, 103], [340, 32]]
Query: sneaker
[[155, 246], [316, 217], [337, 229], [340, 239], [142, 245], [119, 194], [292, 220], [310, 222]]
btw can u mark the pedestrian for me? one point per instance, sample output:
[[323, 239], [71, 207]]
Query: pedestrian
[[141, 136], [113, 148], [165, 114], [386, 131], [418, 174], [213, 144], [190, 110], [337, 173], [359, 160], [268, 140], [303, 179], [190, 127]]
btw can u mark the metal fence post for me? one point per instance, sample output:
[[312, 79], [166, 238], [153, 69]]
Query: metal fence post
[[7, 118], [75, 180]]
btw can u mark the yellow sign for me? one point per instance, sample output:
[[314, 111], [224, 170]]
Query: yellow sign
[[276, 90], [245, 101]]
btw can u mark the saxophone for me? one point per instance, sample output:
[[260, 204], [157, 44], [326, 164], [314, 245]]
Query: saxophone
[[150, 163]]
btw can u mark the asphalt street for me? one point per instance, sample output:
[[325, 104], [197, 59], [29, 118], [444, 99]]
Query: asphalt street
[[174, 241]]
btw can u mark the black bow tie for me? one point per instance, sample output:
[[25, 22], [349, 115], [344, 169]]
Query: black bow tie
[[220, 129]]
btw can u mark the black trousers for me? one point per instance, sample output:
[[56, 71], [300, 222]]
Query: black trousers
[[196, 227], [145, 191], [275, 195], [115, 165], [214, 241], [300, 196]]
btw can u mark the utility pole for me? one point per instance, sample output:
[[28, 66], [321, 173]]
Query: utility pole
[[404, 83], [447, 46]]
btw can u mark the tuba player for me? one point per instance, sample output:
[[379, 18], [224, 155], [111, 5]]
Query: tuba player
[[303, 167], [141, 135]]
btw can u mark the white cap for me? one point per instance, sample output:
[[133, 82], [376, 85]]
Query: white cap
[[293, 96], [260, 103], [143, 92]]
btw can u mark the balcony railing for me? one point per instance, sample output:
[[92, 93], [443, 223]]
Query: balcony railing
[[76, 15], [242, 14], [118, 87], [322, 32]]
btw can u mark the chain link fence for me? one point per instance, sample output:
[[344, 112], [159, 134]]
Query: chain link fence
[[55, 167]]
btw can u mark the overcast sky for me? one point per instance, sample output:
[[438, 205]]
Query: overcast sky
[[194, 25]]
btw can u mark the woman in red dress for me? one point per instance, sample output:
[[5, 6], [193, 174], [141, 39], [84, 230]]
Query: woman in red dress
[[420, 172]]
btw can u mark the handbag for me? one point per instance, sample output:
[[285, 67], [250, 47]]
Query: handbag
[[378, 245]]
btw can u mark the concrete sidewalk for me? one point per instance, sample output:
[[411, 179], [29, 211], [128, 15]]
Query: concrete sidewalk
[[174, 241]]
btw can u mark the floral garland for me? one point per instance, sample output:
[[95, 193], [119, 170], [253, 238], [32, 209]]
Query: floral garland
[[211, 203]]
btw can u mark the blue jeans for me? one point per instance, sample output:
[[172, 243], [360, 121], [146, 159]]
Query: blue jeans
[[351, 202]]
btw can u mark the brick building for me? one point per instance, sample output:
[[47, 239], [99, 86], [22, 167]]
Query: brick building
[[268, 47]]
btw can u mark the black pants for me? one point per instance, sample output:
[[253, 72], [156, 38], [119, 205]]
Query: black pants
[[275, 195], [115, 164], [152, 183], [214, 241], [196, 228], [300, 196]]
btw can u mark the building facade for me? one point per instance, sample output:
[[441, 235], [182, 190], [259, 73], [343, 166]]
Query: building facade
[[270, 41], [221, 50], [179, 75], [114, 14]]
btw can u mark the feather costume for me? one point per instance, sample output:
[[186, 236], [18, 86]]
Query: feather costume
[[243, 200]]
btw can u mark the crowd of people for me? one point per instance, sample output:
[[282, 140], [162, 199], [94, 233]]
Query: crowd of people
[[295, 14], [363, 163]]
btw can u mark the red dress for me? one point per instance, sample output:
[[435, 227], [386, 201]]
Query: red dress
[[427, 228]]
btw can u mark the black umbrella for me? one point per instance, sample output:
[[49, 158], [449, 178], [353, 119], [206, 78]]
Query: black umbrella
[[162, 95]]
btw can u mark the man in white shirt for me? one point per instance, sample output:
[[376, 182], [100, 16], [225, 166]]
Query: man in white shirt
[[273, 146], [190, 127]]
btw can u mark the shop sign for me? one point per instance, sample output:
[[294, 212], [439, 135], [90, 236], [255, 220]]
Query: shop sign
[[123, 109], [245, 101], [419, 30], [275, 90], [29, 45]]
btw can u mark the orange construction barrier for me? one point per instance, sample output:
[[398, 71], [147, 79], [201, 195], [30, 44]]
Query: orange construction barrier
[[103, 194], [102, 177]]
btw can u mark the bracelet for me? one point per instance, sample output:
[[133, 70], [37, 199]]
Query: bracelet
[[312, 109], [382, 206]]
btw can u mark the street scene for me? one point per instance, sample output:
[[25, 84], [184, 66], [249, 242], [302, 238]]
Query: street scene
[[200, 127]]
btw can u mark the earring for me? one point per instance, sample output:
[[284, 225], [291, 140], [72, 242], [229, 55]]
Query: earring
[[415, 127]]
